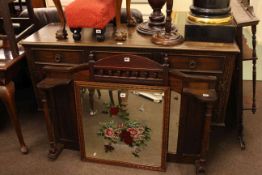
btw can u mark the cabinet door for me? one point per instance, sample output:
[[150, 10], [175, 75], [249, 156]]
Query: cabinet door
[[187, 115]]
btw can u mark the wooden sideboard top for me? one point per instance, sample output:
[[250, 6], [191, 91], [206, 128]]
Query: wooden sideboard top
[[46, 37]]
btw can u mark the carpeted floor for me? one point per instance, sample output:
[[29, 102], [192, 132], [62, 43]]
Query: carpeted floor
[[225, 156]]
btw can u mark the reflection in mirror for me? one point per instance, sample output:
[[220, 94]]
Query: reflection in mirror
[[175, 103], [123, 125]]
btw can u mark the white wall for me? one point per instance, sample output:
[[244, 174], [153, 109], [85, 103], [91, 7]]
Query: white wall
[[182, 5]]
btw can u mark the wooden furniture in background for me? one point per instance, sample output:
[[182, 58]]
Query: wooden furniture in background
[[9, 67], [38, 3], [244, 17], [9, 34], [11, 58]]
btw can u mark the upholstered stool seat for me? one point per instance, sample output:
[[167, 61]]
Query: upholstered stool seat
[[92, 14]]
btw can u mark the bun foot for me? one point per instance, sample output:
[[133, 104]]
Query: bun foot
[[120, 35], [24, 149], [76, 33], [55, 151], [61, 34], [200, 167], [131, 22], [100, 34]]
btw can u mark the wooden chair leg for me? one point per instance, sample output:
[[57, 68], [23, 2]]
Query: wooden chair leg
[[61, 34], [120, 34], [131, 21], [7, 96]]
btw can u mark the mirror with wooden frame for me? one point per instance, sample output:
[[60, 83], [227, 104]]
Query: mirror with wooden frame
[[123, 124]]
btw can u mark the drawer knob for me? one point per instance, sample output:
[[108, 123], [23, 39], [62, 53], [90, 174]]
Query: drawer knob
[[58, 58], [127, 59], [192, 64]]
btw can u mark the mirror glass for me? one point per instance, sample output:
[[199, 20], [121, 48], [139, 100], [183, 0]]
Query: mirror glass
[[123, 125], [175, 103]]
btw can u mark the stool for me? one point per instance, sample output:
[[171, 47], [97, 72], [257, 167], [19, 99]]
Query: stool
[[95, 14]]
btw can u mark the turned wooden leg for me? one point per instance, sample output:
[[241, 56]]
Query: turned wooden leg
[[201, 163], [61, 34], [131, 21], [120, 34], [55, 148], [7, 96]]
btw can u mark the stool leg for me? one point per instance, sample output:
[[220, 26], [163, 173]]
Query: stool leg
[[7, 95], [61, 34], [131, 21], [120, 34]]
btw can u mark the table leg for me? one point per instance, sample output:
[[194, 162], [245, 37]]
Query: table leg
[[201, 163], [55, 148], [240, 125], [7, 96]]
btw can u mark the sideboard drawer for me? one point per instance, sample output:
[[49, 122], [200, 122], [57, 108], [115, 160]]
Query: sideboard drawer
[[196, 63], [50, 56], [103, 54]]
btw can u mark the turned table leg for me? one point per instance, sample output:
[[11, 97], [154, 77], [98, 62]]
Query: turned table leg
[[7, 96], [55, 148], [201, 163]]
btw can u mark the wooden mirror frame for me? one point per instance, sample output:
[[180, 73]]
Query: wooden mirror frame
[[165, 120]]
